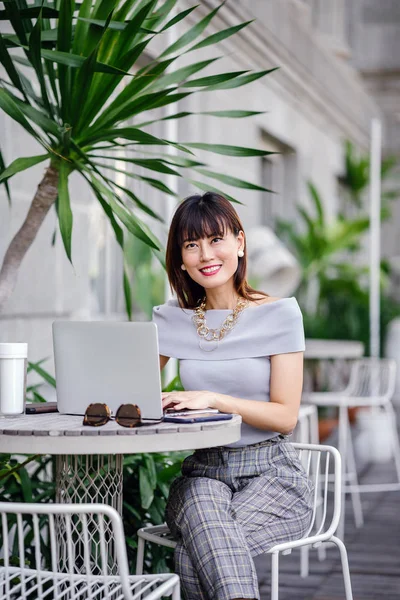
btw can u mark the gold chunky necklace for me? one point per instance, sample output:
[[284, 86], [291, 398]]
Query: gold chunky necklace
[[215, 335]]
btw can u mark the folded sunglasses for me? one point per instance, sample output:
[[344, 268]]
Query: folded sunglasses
[[127, 415]]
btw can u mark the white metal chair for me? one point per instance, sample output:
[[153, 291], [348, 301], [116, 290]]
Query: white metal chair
[[32, 554], [372, 384], [306, 432], [318, 461]]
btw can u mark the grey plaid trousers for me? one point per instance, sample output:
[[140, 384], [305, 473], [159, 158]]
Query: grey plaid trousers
[[229, 505]]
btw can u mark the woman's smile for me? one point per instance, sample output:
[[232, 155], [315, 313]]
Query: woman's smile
[[210, 270]]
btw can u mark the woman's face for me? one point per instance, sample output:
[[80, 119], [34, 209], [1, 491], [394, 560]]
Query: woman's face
[[212, 262]]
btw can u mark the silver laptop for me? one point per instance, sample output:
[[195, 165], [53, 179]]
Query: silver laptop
[[111, 362]]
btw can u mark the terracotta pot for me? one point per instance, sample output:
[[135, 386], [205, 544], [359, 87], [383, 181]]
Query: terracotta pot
[[325, 428], [352, 411]]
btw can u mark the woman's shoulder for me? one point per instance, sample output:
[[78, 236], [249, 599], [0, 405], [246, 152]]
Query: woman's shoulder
[[260, 299], [274, 304], [172, 303]]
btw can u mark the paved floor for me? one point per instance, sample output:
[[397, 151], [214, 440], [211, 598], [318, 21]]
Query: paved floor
[[373, 550]]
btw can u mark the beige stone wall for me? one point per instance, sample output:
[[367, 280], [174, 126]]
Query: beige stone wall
[[312, 104]]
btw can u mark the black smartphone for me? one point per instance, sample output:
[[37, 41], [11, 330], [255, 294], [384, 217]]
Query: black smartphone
[[197, 418], [40, 408]]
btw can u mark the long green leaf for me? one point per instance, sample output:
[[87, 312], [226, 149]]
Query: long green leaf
[[146, 491], [12, 13], [181, 74], [29, 91], [72, 60], [192, 34], [103, 86], [11, 108], [127, 295], [46, 376], [159, 16], [115, 43], [171, 99], [127, 133], [138, 105], [48, 35], [240, 81], [64, 40], [83, 80], [21, 164], [138, 84], [144, 207], [206, 187], [101, 10], [31, 12], [65, 217], [234, 181], [233, 114], [170, 159], [152, 164], [238, 151], [75, 61], [82, 28], [131, 221], [36, 60], [41, 119], [121, 50], [50, 71], [220, 35], [113, 25], [318, 204], [5, 183], [155, 183], [213, 80], [118, 231], [119, 236], [179, 17], [230, 114], [6, 61]]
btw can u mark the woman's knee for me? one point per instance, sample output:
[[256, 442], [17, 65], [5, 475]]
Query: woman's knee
[[194, 499]]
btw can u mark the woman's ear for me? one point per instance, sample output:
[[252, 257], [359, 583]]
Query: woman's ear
[[240, 239]]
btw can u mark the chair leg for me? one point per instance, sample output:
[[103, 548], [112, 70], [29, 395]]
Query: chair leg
[[342, 447], [275, 576], [395, 437], [140, 556], [304, 561], [345, 567], [176, 594], [351, 465]]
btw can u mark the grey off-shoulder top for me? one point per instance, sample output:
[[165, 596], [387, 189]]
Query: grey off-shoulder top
[[239, 365]]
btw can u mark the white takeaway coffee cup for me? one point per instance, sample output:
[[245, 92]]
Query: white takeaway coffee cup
[[13, 369]]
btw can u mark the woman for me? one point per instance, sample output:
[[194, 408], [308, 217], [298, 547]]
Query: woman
[[240, 351]]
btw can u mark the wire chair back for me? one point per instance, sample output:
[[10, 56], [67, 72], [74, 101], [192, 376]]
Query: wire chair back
[[373, 378], [51, 548], [321, 463]]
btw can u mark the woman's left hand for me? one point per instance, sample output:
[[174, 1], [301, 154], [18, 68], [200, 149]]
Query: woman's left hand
[[189, 400]]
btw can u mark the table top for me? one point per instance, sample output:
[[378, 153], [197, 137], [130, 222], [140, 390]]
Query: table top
[[333, 349], [65, 434]]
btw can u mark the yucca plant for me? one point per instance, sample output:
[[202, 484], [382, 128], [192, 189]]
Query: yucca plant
[[73, 84], [320, 244], [355, 179]]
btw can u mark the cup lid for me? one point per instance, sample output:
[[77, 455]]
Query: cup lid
[[13, 350]]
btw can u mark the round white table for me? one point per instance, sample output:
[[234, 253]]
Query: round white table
[[64, 434], [90, 459], [89, 465]]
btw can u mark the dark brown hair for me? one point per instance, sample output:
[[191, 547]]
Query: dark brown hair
[[197, 217]]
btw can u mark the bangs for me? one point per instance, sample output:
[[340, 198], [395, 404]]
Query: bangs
[[201, 221]]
